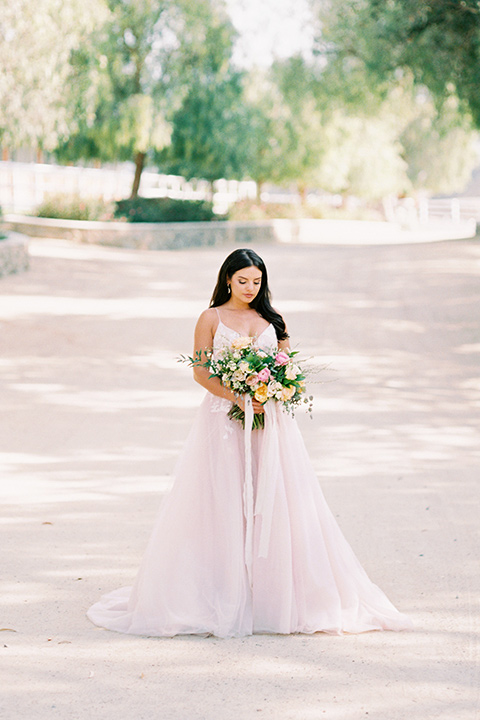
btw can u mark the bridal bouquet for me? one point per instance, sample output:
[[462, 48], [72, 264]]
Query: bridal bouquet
[[246, 369]]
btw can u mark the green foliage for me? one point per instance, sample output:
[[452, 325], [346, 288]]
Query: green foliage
[[363, 157], [439, 148], [74, 207], [37, 40], [118, 91], [331, 144], [2, 234], [134, 72], [210, 131], [303, 140], [438, 40], [118, 80], [247, 210], [267, 129], [140, 209]]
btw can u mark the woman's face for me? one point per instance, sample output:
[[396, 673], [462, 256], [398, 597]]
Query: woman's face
[[245, 284]]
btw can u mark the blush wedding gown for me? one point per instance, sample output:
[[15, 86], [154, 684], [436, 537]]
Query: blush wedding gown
[[245, 542]]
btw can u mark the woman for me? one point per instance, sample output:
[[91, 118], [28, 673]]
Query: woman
[[245, 542]]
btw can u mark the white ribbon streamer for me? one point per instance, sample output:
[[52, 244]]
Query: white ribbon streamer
[[268, 472], [248, 488]]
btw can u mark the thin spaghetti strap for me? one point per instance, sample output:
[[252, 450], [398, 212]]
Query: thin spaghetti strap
[[218, 315]]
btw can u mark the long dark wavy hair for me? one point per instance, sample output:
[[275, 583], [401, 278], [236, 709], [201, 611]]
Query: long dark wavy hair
[[237, 260]]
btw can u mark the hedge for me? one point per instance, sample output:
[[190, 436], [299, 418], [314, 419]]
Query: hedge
[[153, 210]]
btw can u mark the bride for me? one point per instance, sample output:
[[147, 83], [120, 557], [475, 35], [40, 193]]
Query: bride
[[245, 542]]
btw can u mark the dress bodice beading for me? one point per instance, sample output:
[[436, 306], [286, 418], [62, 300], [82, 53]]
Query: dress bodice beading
[[224, 335]]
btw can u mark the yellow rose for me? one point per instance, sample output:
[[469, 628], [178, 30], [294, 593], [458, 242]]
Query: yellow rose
[[241, 342], [262, 393], [287, 393]]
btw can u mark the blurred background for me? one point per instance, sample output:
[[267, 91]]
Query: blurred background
[[353, 109]]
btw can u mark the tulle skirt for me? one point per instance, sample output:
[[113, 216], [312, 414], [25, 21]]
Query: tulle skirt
[[202, 574]]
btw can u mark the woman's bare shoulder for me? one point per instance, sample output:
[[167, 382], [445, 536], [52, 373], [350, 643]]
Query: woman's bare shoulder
[[208, 318]]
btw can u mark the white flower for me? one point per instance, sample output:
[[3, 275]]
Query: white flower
[[238, 376], [243, 366], [273, 387], [292, 371]]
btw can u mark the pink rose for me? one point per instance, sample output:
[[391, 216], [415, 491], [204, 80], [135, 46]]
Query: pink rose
[[252, 380], [263, 375], [281, 358]]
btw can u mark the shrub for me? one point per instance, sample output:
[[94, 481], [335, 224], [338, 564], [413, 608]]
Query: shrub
[[74, 207], [2, 234], [251, 210], [142, 209]]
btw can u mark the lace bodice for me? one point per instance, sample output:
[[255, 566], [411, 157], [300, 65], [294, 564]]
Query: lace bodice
[[224, 336]]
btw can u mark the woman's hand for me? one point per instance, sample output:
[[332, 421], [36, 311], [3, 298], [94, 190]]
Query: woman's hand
[[258, 408]]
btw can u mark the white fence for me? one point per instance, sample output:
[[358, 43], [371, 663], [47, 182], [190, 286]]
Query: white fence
[[23, 186], [455, 209]]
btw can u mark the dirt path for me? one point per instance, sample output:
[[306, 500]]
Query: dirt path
[[94, 409]]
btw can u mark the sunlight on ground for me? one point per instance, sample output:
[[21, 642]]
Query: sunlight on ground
[[14, 306], [65, 250], [95, 409], [113, 400]]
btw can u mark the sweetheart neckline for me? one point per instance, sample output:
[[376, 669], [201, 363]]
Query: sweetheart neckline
[[220, 322]]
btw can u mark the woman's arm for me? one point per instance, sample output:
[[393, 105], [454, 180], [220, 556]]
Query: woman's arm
[[203, 340], [284, 344]]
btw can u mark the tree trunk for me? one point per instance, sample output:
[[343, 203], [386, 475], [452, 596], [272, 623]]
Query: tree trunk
[[139, 163], [212, 190], [302, 191], [259, 191]]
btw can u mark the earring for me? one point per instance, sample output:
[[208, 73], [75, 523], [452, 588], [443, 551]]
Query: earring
[[228, 289]]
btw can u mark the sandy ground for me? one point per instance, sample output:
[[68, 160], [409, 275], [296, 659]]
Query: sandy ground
[[94, 409]]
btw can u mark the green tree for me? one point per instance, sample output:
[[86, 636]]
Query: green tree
[[36, 42], [363, 158], [438, 40], [119, 86], [210, 131], [407, 145], [134, 73], [298, 124], [438, 147], [267, 136], [211, 123], [332, 142]]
